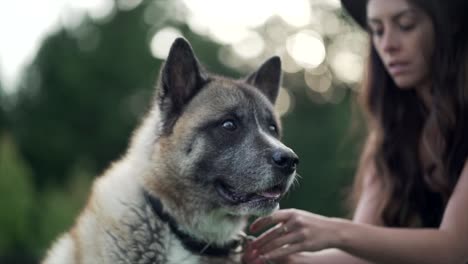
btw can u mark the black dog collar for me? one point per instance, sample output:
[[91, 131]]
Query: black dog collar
[[189, 242]]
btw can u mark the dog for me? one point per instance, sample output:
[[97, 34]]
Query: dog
[[206, 157]]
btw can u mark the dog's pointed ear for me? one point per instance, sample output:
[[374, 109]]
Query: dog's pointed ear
[[180, 79], [268, 78]]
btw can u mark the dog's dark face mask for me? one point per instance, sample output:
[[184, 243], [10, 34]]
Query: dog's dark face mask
[[221, 137]]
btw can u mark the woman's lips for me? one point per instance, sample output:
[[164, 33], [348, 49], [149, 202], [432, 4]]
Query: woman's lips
[[398, 68]]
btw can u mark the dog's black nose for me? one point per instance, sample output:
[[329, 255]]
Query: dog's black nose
[[285, 160]]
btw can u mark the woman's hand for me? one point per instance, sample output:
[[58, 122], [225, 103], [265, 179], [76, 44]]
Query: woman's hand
[[293, 231]]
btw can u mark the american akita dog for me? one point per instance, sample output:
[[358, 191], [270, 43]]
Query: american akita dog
[[206, 157]]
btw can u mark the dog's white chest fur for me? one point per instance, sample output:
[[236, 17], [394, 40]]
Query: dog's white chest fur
[[178, 254]]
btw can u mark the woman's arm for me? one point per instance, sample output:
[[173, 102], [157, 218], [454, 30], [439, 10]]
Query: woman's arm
[[309, 232], [448, 244]]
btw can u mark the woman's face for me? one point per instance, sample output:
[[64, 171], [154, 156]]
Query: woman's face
[[403, 36]]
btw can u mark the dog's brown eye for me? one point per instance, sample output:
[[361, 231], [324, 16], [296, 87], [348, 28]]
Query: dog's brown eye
[[229, 125], [273, 128]]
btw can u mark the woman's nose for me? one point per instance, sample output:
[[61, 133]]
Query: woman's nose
[[390, 42]]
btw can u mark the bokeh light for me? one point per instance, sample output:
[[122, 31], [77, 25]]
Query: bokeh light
[[127, 5], [319, 83], [285, 102], [97, 9], [305, 33], [297, 13], [307, 48], [348, 66], [162, 41], [251, 46]]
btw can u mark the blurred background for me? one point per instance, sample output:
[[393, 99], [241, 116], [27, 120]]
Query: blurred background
[[77, 75]]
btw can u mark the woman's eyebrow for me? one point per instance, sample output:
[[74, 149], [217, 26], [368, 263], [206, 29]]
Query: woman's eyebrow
[[394, 17], [403, 13]]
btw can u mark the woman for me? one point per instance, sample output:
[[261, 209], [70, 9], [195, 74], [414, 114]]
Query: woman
[[411, 189]]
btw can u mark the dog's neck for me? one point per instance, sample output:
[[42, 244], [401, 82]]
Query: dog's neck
[[191, 243]]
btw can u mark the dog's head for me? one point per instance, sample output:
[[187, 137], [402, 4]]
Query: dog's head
[[219, 143]]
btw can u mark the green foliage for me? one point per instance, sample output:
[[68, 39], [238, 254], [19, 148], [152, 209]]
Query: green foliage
[[30, 221], [16, 197], [2, 111], [86, 103], [321, 136], [60, 207]]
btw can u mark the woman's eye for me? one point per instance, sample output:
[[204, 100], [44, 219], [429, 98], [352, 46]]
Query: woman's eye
[[229, 125], [407, 27], [377, 32], [375, 29]]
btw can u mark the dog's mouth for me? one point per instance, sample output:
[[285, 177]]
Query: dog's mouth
[[235, 197]]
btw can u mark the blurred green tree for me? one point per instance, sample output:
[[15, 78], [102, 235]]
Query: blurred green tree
[[16, 200], [321, 135], [76, 103], [2, 110]]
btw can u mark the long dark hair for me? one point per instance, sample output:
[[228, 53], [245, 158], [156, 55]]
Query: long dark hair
[[413, 194]]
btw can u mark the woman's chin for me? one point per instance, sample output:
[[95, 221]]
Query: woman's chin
[[409, 81], [405, 83]]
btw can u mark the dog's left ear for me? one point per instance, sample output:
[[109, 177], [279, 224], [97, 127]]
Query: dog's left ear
[[180, 79], [268, 78]]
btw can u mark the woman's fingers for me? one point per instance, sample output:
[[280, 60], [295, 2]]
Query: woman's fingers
[[286, 237], [283, 251], [275, 218], [250, 255], [268, 236], [285, 240], [261, 223]]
